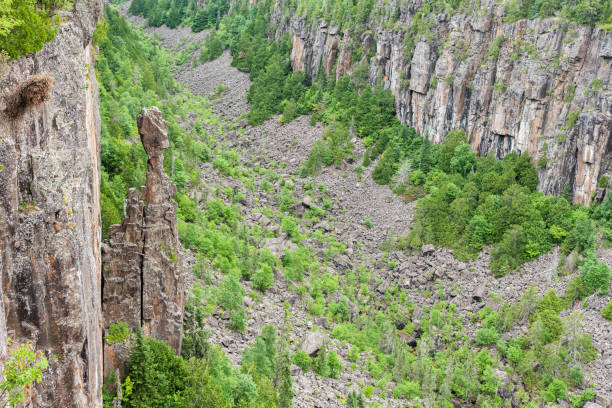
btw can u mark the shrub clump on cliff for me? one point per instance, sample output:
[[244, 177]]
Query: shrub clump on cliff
[[25, 25]]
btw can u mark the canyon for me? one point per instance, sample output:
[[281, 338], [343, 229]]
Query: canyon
[[512, 87]]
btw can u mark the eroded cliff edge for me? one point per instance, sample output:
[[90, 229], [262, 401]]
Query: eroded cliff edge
[[49, 211], [537, 86]]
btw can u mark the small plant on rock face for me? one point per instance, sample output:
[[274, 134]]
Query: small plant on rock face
[[23, 367], [35, 91], [367, 223], [221, 89], [118, 333]]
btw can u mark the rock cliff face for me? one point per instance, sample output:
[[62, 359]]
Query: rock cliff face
[[142, 263], [49, 211], [540, 87]]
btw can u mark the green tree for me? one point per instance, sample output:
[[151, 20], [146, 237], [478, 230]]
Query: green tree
[[581, 238], [195, 342], [148, 79], [25, 27], [509, 253], [453, 139], [463, 160], [263, 279], [478, 232], [386, 166], [283, 380], [595, 275], [262, 354], [156, 371], [212, 49], [426, 161], [201, 389], [7, 17]]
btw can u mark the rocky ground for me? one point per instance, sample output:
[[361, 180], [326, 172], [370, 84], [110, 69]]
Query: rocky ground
[[284, 148]]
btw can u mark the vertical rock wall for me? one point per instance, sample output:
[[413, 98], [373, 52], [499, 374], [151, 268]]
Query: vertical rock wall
[[511, 86], [49, 212], [143, 259]]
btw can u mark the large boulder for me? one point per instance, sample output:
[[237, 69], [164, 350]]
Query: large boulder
[[313, 342]]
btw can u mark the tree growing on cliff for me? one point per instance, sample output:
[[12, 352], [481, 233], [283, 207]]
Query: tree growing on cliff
[[25, 27], [22, 369]]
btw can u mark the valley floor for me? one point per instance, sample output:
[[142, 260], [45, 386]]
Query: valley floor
[[356, 203]]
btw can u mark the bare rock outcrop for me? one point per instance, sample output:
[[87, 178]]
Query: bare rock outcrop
[[541, 87], [142, 264], [49, 211]]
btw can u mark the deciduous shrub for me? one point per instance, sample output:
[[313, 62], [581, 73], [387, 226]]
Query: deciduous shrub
[[263, 279], [487, 336], [117, 333], [302, 360], [407, 390], [22, 368], [556, 390], [581, 237], [463, 160]]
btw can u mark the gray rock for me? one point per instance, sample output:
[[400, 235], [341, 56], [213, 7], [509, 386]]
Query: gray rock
[[279, 245], [480, 293], [591, 404], [307, 202], [294, 370], [427, 250], [313, 342]]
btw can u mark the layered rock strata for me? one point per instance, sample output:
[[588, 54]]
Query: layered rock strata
[[49, 211], [541, 87], [142, 264]]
